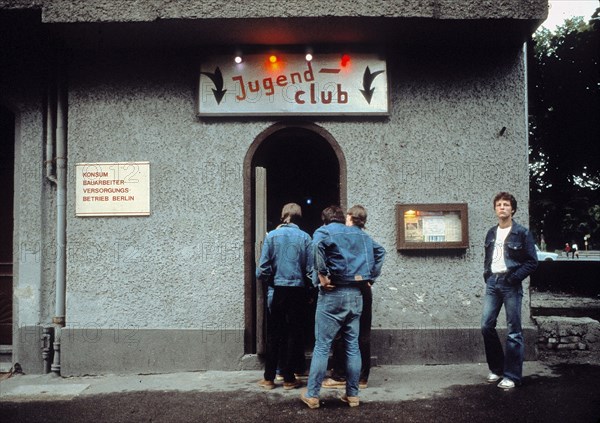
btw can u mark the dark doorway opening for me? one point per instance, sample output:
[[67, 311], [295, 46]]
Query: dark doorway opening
[[289, 162], [301, 168], [7, 154]]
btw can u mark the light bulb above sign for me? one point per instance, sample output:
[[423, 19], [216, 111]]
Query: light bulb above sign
[[288, 84]]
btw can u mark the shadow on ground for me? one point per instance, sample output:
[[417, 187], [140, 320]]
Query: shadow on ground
[[572, 394]]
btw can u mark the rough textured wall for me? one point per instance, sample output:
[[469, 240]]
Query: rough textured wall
[[111, 10], [182, 267], [442, 144]]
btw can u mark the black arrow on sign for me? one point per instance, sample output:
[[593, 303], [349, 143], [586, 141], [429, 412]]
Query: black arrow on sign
[[368, 78], [217, 79]]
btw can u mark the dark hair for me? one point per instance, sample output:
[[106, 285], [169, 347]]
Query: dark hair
[[332, 214], [358, 214], [508, 197], [291, 213]]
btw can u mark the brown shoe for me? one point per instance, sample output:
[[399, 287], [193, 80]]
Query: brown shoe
[[266, 384], [352, 401], [362, 384], [301, 376], [311, 402], [331, 383], [292, 385]]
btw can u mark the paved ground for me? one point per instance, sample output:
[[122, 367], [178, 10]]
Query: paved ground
[[456, 393]]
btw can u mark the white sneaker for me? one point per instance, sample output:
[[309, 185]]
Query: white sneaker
[[506, 384], [492, 378]]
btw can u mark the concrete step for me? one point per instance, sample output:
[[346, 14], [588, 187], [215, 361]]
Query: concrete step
[[588, 253], [566, 305]]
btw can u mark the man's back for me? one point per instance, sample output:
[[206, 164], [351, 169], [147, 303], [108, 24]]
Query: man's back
[[286, 256], [347, 253]]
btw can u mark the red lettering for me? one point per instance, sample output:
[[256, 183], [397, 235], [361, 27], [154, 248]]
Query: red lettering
[[92, 198], [342, 96], [123, 198], [298, 97], [282, 80], [268, 84], [313, 97], [254, 89], [309, 75], [242, 96]]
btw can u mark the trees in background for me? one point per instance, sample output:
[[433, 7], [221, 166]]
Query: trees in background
[[564, 132]]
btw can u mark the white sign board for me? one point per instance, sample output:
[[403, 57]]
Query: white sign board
[[112, 189], [288, 84]]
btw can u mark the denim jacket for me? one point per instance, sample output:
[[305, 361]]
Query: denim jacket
[[519, 253], [286, 257], [347, 254]]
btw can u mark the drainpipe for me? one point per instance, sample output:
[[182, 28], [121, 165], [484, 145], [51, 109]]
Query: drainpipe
[[50, 127], [61, 201], [60, 180], [47, 348]]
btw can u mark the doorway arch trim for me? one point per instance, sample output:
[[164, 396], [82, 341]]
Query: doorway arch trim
[[249, 236]]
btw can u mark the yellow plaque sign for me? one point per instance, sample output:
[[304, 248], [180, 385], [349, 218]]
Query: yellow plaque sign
[[112, 189]]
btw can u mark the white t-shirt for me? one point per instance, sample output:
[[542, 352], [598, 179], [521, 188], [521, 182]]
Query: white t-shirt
[[498, 263]]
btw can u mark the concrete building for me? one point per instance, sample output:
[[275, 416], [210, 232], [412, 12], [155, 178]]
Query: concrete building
[[148, 165]]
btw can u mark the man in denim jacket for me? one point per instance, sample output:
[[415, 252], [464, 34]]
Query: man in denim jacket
[[355, 216], [510, 257], [345, 258], [286, 260]]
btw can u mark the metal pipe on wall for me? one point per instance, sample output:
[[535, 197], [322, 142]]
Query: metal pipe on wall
[[61, 200], [50, 127], [60, 179]]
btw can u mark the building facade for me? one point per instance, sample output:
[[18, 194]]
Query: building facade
[[139, 103]]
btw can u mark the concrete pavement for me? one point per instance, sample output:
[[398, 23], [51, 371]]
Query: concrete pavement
[[387, 383], [395, 393]]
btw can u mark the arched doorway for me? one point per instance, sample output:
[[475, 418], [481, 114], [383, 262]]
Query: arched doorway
[[301, 163]]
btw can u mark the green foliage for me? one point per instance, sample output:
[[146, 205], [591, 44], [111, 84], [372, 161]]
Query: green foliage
[[564, 100]]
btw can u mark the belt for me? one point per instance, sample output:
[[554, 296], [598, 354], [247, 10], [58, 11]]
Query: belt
[[341, 287], [339, 281]]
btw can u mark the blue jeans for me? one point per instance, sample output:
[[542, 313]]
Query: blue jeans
[[364, 341], [337, 310], [498, 292]]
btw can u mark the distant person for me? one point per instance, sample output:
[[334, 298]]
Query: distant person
[[567, 249], [285, 261], [543, 243], [510, 257], [344, 259], [574, 250]]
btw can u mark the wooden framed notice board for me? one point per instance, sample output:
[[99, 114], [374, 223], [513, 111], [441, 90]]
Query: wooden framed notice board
[[432, 226]]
